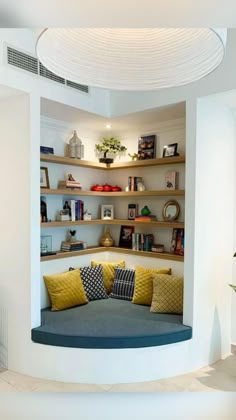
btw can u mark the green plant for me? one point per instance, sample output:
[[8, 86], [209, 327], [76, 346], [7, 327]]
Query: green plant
[[110, 145]]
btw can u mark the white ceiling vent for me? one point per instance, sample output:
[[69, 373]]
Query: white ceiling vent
[[30, 63]]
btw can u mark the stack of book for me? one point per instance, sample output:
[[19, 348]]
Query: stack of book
[[69, 184], [177, 243], [142, 241], [67, 246], [149, 218], [46, 150]]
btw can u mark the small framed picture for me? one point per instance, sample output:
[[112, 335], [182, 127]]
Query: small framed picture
[[44, 179], [107, 212], [147, 147], [125, 240], [170, 150]]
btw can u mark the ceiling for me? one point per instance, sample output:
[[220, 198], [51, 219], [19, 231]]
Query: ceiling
[[71, 115]]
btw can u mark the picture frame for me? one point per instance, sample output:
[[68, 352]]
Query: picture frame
[[147, 147], [170, 150], [125, 240], [107, 211], [44, 178]]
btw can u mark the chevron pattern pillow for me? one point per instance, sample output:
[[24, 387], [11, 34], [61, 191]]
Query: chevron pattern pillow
[[123, 287], [92, 278]]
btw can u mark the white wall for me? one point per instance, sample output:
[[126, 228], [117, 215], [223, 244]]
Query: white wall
[[233, 306], [213, 239], [15, 220]]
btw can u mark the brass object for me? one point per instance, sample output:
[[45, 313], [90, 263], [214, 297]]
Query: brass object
[[106, 239], [171, 211]]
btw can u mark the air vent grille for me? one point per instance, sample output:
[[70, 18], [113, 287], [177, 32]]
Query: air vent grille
[[44, 72], [22, 60], [29, 63], [74, 85]]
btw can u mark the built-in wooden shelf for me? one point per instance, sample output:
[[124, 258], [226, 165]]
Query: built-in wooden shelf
[[173, 160], [160, 224], [62, 160], [91, 250], [73, 191]]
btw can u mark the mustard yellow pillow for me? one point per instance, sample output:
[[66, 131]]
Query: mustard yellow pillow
[[108, 269], [65, 290], [143, 286], [167, 294]]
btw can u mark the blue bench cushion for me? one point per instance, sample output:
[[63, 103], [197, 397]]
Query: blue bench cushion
[[109, 324]]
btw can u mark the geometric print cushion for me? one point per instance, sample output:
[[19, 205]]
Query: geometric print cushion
[[108, 269], [167, 294], [65, 290], [143, 285], [123, 287], [92, 279]]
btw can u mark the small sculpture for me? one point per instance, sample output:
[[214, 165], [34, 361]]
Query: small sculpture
[[145, 211], [72, 235], [133, 156]]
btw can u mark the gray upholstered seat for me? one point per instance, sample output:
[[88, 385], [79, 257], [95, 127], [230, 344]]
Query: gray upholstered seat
[[109, 323]]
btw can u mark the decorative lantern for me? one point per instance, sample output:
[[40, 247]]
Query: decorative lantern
[[76, 149]]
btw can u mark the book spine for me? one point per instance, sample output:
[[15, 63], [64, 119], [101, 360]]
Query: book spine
[[72, 207], [81, 210], [133, 242], [173, 240]]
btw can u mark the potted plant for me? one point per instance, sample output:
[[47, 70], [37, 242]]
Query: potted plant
[[111, 146]]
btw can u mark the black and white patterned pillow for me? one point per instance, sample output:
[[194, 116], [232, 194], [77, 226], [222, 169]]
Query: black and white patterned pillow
[[92, 278], [123, 287]]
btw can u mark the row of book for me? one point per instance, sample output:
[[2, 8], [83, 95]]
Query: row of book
[[133, 182], [75, 209], [142, 241], [177, 242]]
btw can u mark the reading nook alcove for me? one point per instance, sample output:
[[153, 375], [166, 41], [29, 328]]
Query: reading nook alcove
[[39, 115]]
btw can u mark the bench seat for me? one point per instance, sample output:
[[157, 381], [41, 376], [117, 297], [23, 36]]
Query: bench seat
[[109, 324]]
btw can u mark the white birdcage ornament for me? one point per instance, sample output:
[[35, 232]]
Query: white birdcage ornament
[[76, 148]]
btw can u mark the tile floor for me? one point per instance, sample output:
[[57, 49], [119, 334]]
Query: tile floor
[[221, 376]]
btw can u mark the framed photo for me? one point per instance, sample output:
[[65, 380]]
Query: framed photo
[[147, 147], [125, 240], [44, 180], [107, 212], [170, 150]]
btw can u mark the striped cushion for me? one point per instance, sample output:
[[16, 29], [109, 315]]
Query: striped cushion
[[123, 287]]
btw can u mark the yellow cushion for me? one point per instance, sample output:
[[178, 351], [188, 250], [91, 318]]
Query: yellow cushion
[[108, 269], [65, 290], [167, 294], [143, 286]]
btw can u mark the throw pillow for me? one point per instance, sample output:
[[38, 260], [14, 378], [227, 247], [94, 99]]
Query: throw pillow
[[65, 290], [123, 287], [143, 286], [92, 278], [108, 269], [167, 294]]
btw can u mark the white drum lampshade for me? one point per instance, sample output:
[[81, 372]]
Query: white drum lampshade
[[133, 59]]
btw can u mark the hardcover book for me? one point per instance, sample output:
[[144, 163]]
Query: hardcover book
[[171, 180]]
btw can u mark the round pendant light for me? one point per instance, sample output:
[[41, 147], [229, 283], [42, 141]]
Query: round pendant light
[[131, 59]]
